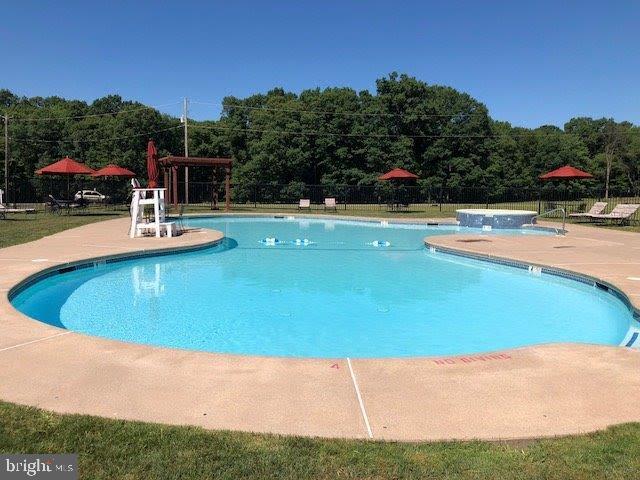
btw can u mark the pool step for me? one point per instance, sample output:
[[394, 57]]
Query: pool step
[[632, 338]]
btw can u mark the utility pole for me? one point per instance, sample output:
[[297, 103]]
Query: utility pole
[[6, 157], [185, 113]]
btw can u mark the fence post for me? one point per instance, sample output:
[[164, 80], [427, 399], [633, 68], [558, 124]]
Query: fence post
[[486, 197], [255, 196], [539, 201]]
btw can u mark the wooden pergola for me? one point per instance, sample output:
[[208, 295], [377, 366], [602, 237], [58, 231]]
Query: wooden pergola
[[170, 167]]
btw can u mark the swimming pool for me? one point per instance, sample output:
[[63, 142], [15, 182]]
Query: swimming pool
[[325, 288]]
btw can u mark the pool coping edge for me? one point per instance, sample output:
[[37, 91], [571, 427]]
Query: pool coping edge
[[64, 267], [546, 269]]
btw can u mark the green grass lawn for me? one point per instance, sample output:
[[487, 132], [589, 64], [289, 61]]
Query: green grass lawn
[[112, 449], [21, 228]]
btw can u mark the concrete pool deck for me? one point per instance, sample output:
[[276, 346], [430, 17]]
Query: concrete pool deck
[[535, 391]]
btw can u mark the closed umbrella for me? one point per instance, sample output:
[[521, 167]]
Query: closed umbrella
[[152, 165]]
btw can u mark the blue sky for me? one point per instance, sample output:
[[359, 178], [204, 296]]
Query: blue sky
[[531, 63]]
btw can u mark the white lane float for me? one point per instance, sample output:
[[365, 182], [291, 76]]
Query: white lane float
[[302, 241], [380, 243], [270, 241]]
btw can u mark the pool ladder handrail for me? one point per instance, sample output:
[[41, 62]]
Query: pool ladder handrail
[[564, 219]]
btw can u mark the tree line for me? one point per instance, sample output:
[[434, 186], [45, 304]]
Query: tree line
[[333, 136]]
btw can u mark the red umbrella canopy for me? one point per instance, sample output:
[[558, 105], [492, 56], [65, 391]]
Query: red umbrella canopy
[[66, 166], [398, 174], [113, 171], [152, 164], [565, 173]]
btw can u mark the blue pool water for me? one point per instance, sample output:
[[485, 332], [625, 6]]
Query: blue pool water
[[336, 296]]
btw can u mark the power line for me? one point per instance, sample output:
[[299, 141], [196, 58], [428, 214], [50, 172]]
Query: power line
[[316, 133], [77, 117], [347, 114], [310, 133], [529, 133], [381, 135], [37, 140]]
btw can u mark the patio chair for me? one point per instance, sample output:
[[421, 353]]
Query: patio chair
[[596, 209], [620, 213], [57, 205], [304, 203], [330, 203], [180, 220]]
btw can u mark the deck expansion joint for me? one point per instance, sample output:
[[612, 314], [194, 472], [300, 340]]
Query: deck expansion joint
[[363, 411], [24, 344]]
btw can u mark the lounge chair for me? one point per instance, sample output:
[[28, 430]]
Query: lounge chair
[[4, 210], [304, 203], [180, 220], [620, 213], [596, 209], [330, 203], [57, 205]]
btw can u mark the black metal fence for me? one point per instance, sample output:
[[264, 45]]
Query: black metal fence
[[386, 197], [435, 200], [116, 191]]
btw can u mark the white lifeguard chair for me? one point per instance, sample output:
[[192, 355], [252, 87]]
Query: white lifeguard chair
[[152, 197]]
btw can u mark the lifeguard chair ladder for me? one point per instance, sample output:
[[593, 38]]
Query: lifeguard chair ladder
[[152, 197]]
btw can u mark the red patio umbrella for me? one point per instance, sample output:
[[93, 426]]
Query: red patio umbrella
[[565, 173], [113, 171], [68, 167], [398, 174], [152, 164]]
